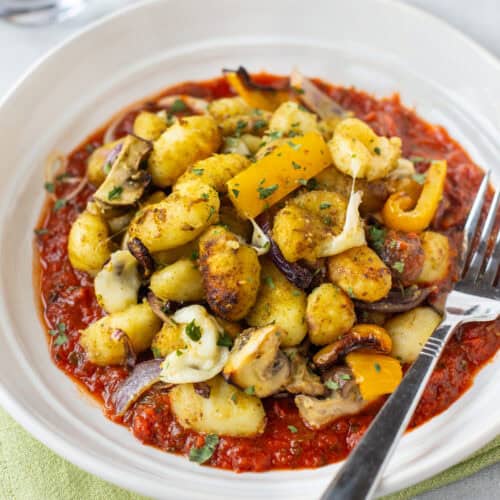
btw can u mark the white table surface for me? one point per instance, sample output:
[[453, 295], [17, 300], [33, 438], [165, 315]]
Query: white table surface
[[480, 19]]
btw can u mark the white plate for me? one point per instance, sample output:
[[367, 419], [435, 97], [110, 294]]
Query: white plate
[[379, 46]]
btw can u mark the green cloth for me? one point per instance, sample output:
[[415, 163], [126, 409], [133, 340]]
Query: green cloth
[[30, 471]]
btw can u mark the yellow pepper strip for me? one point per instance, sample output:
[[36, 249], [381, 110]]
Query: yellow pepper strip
[[262, 99], [376, 374], [285, 168], [398, 213]]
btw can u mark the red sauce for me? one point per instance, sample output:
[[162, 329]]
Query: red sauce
[[67, 296]]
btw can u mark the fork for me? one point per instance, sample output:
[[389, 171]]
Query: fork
[[475, 298]]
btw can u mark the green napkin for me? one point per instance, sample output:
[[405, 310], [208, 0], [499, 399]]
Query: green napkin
[[30, 471]]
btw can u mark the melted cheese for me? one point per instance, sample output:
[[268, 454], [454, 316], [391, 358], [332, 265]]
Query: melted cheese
[[202, 359]]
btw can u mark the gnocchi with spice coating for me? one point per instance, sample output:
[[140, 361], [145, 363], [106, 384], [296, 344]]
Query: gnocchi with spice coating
[[149, 126], [292, 119], [436, 265]]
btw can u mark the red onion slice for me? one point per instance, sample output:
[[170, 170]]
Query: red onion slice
[[397, 301], [142, 378]]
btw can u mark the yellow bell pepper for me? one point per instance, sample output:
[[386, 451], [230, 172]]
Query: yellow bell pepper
[[376, 374], [262, 99], [285, 168], [398, 212]]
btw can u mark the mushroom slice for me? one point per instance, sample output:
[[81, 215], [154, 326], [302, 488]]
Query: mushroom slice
[[303, 380], [137, 248], [344, 399], [360, 336], [125, 182], [256, 362], [117, 283]]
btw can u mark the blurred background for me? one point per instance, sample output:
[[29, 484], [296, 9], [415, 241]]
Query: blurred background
[[25, 38]]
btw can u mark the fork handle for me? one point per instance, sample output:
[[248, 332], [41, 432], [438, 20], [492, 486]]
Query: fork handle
[[361, 474]]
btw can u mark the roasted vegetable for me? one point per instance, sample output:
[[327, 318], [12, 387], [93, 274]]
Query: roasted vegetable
[[279, 303], [271, 178], [187, 141], [359, 152], [375, 374], [302, 379], [231, 273], [178, 219], [125, 182], [256, 362], [361, 336], [117, 284], [409, 332], [107, 341], [227, 411], [402, 212], [360, 273], [329, 314], [89, 246], [180, 281], [436, 250]]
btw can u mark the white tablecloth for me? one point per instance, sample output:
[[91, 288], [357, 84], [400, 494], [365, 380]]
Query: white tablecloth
[[480, 19]]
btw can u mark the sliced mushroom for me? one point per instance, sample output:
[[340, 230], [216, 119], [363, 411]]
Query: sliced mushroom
[[303, 379], [344, 399], [161, 308], [360, 336], [117, 283], [141, 253], [256, 362], [246, 79], [398, 300], [125, 182]]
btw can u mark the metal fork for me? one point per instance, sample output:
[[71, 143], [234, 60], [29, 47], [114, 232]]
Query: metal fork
[[475, 298]]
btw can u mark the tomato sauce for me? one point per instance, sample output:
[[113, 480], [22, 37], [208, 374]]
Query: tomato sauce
[[67, 297]]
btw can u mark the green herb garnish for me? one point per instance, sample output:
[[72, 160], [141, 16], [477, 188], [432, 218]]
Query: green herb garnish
[[115, 193], [294, 145], [59, 204], [259, 124], [59, 333], [49, 187], [193, 331], [240, 127], [324, 205], [265, 192], [330, 384], [250, 390], [293, 429], [107, 168], [344, 376], [377, 151], [225, 340], [377, 367], [420, 178], [198, 171], [236, 192], [204, 196], [296, 166], [201, 455], [269, 282], [399, 266], [377, 236], [41, 231], [177, 106], [156, 352], [194, 255]]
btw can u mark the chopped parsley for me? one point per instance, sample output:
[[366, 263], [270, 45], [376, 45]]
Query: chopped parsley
[[377, 367], [107, 168], [399, 266], [298, 90], [201, 455], [330, 384], [293, 429], [276, 134], [259, 124], [250, 390], [210, 213], [204, 196], [198, 171], [59, 204], [194, 255], [241, 125], [377, 236], [327, 220], [377, 151], [225, 340], [177, 106], [294, 145], [324, 205], [156, 352], [59, 334], [236, 192], [296, 293], [269, 282], [296, 166], [234, 397], [40, 232], [418, 159], [350, 292], [345, 376], [179, 352], [49, 187], [89, 148], [193, 331], [420, 178], [265, 192], [115, 193]]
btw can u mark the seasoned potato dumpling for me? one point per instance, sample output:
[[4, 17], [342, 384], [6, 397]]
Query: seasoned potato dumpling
[[89, 246], [178, 219], [436, 257], [360, 273], [226, 107], [359, 152], [180, 281], [149, 125], [167, 340], [230, 271], [330, 314], [104, 340], [215, 171], [97, 166], [187, 141], [118, 282], [227, 411], [410, 330], [292, 119], [279, 303]]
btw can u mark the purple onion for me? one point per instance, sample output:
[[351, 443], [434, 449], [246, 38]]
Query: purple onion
[[397, 300]]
